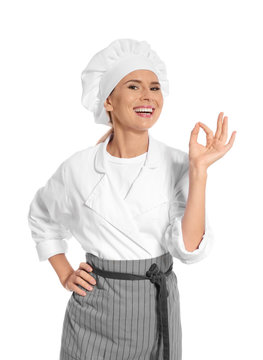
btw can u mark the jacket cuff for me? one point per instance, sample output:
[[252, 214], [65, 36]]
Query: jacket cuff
[[175, 243], [47, 248]]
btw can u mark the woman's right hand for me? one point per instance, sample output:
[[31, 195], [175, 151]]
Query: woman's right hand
[[80, 277]]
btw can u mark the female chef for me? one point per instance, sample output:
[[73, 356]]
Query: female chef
[[133, 203]]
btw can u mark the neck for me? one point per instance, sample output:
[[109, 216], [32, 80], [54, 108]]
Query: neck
[[128, 144]]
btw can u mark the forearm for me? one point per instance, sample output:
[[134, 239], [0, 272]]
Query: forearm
[[61, 266], [193, 222]]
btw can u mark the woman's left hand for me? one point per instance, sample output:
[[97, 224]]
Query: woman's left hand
[[203, 156]]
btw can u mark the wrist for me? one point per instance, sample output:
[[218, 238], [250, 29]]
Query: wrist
[[64, 277], [198, 172], [61, 266]]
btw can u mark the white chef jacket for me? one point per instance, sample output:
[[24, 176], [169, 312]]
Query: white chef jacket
[[143, 220]]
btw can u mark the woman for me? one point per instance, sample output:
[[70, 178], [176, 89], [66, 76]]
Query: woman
[[133, 203]]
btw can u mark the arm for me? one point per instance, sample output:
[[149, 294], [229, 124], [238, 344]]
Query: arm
[[200, 158], [62, 267], [188, 213], [49, 216], [49, 219], [193, 221], [189, 236]]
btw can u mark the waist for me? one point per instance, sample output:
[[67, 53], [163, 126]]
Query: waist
[[135, 267]]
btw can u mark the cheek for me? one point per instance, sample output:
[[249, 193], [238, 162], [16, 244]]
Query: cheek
[[159, 110], [160, 102]]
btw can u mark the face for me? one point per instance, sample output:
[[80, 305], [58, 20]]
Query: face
[[138, 89]]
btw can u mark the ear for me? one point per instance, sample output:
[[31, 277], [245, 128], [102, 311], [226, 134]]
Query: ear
[[107, 104]]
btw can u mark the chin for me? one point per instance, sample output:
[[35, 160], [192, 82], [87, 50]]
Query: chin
[[144, 126]]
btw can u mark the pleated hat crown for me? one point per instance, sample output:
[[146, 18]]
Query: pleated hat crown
[[108, 66]]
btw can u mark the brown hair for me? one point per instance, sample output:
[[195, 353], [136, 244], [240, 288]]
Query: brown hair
[[111, 131]]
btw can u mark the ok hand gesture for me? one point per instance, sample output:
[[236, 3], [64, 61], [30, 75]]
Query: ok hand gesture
[[203, 156]]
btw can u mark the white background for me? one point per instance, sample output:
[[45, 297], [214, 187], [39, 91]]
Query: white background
[[213, 54]]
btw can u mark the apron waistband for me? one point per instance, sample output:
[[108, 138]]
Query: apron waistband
[[157, 277]]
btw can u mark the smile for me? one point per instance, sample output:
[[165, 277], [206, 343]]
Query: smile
[[145, 112]]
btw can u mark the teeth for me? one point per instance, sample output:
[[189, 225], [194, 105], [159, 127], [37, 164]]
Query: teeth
[[144, 110]]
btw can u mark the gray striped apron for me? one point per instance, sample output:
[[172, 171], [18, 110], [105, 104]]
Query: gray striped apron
[[132, 313]]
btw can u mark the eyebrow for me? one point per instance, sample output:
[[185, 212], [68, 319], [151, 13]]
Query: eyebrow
[[139, 81]]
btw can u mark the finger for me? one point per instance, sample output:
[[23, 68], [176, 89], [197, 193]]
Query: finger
[[219, 125], [206, 128], [224, 130], [209, 134], [85, 266], [78, 290], [231, 141], [194, 134], [84, 275], [83, 283]]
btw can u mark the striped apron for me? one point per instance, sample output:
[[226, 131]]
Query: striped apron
[[132, 313]]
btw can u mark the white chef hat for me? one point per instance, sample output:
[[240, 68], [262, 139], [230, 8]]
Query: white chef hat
[[107, 67]]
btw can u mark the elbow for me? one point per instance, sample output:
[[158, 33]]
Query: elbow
[[191, 238], [192, 244]]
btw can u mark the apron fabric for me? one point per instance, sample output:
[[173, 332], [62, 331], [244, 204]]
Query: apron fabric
[[132, 313]]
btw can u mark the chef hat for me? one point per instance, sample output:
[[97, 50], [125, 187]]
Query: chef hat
[[107, 67]]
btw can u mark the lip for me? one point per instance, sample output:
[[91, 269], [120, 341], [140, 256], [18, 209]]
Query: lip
[[145, 107], [145, 115]]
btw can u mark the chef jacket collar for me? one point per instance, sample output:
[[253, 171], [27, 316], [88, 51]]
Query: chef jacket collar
[[152, 156]]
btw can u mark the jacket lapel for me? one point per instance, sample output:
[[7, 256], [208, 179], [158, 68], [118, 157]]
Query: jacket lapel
[[143, 194]]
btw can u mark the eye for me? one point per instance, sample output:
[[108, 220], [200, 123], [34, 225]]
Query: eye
[[133, 86]]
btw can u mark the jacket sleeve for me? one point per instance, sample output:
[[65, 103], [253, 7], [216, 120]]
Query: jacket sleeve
[[174, 235], [48, 216]]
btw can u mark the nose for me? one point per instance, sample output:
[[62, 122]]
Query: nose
[[146, 93]]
